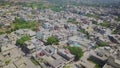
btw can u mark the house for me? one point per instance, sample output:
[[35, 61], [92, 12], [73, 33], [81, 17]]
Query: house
[[43, 35], [73, 43], [3, 40], [58, 63], [50, 50], [72, 27], [46, 25], [10, 66], [107, 66], [6, 49], [30, 47], [59, 59], [99, 30], [24, 63], [66, 54], [12, 54], [114, 39], [100, 56], [19, 32], [28, 32], [37, 42], [44, 50], [113, 62], [12, 37], [55, 61], [114, 59]]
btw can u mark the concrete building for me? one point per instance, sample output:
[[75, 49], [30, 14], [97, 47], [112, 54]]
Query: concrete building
[[114, 62], [66, 54], [99, 56]]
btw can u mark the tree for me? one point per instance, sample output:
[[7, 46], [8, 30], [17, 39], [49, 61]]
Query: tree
[[116, 30], [87, 35], [52, 40], [66, 66], [19, 23], [118, 19], [76, 51], [7, 62], [22, 40], [100, 44], [97, 66], [95, 22], [82, 31], [0, 48], [34, 61], [105, 24]]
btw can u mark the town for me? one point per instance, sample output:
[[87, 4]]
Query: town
[[77, 37]]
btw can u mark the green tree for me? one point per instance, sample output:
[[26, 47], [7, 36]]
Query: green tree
[[97, 66], [76, 51], [82, 31], [66, 66], [52, 40], [105, 24], [34, 61], [87, 35], [21, 23], [7, 62], [22, 40], [0, 48], [118, 19], [100, 44], [94, 22]]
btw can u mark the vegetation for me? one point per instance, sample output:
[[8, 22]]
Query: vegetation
[[96, 65], [85, 32], [52, 40], [105, 24], [0, 48], [34, 61], [41, 60], [1, 33], [93, 3], [63, 2], [39, 5], [76, 51], [92, 15], [82, 31], [19, 23], [96, 46], [3, 3], [22, 40], [66, 66], [43, 5], [100, 44], [88, 35], [118, 19], [115, 31], [57, 8], [95, 22], [73, 21], [7, 62]]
